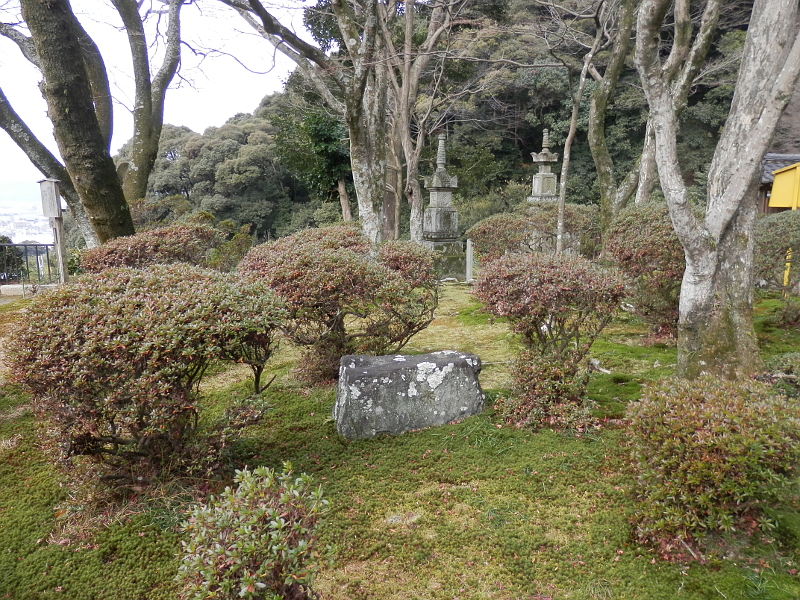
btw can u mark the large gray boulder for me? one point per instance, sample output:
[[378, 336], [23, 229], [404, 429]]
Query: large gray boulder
[[398, 393]]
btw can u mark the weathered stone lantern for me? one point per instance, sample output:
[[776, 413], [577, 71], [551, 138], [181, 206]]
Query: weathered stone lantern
[[545, 182]]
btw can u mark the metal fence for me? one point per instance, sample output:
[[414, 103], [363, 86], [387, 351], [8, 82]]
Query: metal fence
[[28, 264]]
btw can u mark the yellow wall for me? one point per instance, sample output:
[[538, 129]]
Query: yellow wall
[[786, 187]]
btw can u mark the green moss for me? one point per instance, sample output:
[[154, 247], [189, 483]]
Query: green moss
[[472, 510], [474, 314]]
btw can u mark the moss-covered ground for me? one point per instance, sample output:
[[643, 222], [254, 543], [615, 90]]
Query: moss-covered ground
[[474, 510]]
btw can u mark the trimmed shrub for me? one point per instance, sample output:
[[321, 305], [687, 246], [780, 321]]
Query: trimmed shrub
[[642, 241], [255, 542], [115, 360], [710, 456], [166, 245], [558, 304], [775, 234], [535, 231], [500, 234], [581, 227], [340, 299]]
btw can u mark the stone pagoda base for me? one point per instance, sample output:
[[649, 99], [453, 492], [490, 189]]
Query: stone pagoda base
[[451, 258]]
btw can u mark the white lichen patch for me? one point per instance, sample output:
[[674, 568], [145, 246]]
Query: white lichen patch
[[424, 370], [431, 374]]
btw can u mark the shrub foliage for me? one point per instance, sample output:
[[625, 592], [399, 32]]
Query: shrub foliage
[[254, 542], [558, 304], [115, 360], [642, 241], [711, 455], [340, 299], [535, 231], [775, 234], [182, 243], [499, 234]]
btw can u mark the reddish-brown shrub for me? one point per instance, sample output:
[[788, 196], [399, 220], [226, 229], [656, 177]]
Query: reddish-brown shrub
[[181, 243], [558, 304], [115, 359], [581, 227], [535, 231], [340, 299], [500, 234], [644, 244]]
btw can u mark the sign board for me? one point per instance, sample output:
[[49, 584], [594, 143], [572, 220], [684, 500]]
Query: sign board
[[51, 199]]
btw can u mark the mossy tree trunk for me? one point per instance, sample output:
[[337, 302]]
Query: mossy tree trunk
[[715, 325], [48, 165], [148, 107]]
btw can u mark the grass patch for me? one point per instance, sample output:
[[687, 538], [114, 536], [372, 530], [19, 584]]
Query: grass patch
[[473, 510]]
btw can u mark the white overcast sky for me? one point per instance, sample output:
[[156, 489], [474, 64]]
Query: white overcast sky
[[220, 87]]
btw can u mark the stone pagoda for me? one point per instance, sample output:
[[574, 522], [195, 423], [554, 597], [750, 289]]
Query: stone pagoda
[[545, 182], [440, 221]]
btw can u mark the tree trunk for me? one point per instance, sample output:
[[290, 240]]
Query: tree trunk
[[48, 164], [148, 111], [647, 166], [715, 326], [577, 97], [78, 134], [355, 89], [366, 124], [394, 186], [613, 196], [417, 209], [406, 68], [344, 200]]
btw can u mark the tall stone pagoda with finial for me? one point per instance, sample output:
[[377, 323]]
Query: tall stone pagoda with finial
[[440, 221], [545, 182]]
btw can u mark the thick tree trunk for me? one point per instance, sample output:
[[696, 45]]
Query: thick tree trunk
[[715, 327], [98, 80], [394, 186], [417, 209], [367, 129], [366, 122], [78, 134], [370, 188], [47, 164]]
